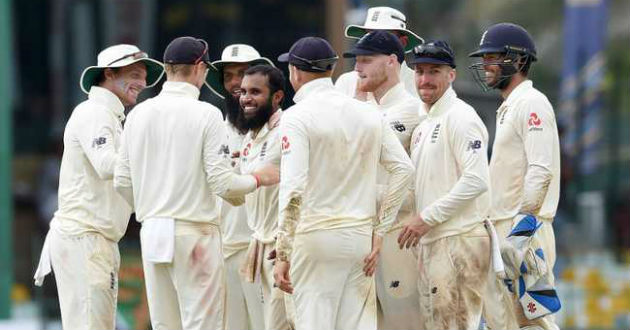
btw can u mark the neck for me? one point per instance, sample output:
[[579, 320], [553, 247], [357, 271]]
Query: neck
[[383, 88], [517, 79], [187, 79]]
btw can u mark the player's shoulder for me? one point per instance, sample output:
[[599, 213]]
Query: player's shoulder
[[464, 115], [346, 77], [530, 98], [89, 110]]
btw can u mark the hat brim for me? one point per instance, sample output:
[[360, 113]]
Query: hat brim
[[284, 58], [358, 31], [214, 79], [155, 70], [411, 61]]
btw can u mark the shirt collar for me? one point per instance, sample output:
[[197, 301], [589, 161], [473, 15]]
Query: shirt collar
[[311, 87], [393, 95], [109, 100], [181, 88], [517, 92], [442, 104]]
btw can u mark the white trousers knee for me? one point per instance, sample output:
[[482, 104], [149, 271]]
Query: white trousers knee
[[244, 304], [330, 289], [188, 293], [397, 286], [86, 271]]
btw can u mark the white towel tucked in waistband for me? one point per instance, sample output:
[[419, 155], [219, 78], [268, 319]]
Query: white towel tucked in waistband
[[43, 268], [157, 239]]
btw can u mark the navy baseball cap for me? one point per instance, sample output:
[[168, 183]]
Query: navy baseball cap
[[434, 52], [312, 54], [378, 42], [187, 50]]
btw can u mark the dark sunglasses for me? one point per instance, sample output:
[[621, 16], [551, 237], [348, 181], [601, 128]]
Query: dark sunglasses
[[322, 65], [205, 51], [432, 50], [135, 56]]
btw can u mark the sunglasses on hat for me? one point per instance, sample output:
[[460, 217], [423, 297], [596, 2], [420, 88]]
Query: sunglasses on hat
[[135, 56]]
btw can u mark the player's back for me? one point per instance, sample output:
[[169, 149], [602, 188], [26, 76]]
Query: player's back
[[166, 136], [344, 140]]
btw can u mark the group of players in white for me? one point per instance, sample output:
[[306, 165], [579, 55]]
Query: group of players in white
[[369, 204]]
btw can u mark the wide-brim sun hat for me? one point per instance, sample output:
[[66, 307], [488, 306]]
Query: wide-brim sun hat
[[119, 56], [384, 18], [236, 53]]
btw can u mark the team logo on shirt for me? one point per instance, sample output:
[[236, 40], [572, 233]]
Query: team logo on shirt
[[263, 150], [534, 122], [246, 150], [285, 144], [435, 134], [224, 150], [99, 142], [398, 126], [474, 145]]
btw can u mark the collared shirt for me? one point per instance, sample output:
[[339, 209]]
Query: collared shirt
[[347, 82], [525, 163], [234, 228], [331, 147], [449, 150], [403, 113], [262, 205], [87, 199], [172, 159]]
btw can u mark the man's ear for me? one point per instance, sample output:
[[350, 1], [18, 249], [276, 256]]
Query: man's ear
[[277, 98], [109, 73], [452, 75]]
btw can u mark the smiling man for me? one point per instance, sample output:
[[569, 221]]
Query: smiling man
[[81, 245], [379, 55], [262, 92], [449, 151]]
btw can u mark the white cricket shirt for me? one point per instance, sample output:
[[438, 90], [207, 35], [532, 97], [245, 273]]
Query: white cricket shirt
[[87, 199], [525, 162], [172, 159], [234, 228], [450, 153], [262, 204], [331, 147]]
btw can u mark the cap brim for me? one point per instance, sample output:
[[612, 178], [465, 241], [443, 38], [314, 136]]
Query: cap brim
[[358, 31], [284, 58], [155, 70], [411, 62], [214, 79]]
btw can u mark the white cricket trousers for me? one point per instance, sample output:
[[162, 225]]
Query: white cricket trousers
[[188, 293], [275, 301], [244, 305], [86, 271], [502, 309], [453, 276], [331, 291], [397, 286]]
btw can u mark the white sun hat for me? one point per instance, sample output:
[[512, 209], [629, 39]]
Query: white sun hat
[[236, 53], [119, 56], [384, 18]]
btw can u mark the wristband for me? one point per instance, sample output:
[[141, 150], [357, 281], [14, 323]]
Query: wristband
[[257, 180]]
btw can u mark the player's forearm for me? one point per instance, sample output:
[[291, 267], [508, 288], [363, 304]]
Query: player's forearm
[[289, 218], [535, 187], [468, 187], [395, 193]]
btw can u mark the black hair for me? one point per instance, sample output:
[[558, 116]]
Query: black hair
[[275, 77], [101, 76]]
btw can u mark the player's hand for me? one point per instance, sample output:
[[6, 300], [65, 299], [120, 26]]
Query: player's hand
[[372, 259], [281, 276], [268, 175], [236, 154], [411, 232]]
